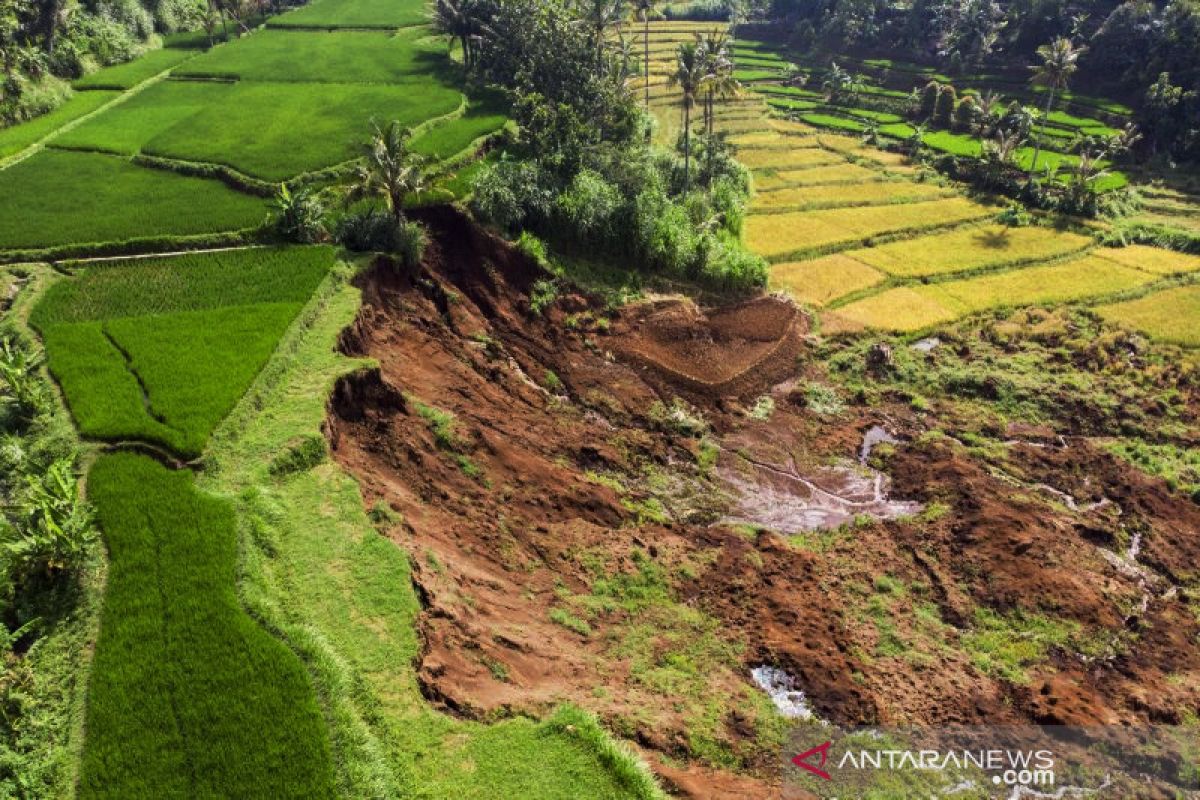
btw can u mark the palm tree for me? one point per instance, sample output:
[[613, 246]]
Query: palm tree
[[689, 77], [718, 81], [388, 170], [600, 16], [989, 113], [644, 9], [461, 20], [1060, 60]]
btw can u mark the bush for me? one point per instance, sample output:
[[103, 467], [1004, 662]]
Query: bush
[[929, 99], [299, 216], [54, 526], [966, 114], [411, 240], [587, 208], [512, 195], [943, 110], [376, 230]]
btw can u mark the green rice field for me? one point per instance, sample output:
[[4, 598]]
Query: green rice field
[[59, 198], [16, 138], [131, 73], [161, 349], [354, 14]]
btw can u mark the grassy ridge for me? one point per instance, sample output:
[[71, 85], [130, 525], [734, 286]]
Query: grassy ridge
[[341, 590], [59, 198], [188, 696]]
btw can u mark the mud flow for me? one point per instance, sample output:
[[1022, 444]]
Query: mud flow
[[642, 511]]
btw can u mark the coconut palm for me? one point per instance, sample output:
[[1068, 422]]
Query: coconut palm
[[718, 82], [688, 75], [388, 171], [1060, 60], [461, 20], [600, 16], [644, 9]]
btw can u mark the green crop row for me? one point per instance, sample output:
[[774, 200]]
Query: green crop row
[[188, 696]]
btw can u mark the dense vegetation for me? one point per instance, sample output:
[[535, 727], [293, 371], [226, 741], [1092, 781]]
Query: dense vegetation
[[581, 172]]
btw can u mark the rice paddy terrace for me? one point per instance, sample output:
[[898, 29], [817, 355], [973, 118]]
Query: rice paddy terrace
[[872, 241], [188, 142]]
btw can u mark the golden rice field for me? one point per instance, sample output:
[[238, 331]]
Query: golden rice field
[[1152, 259], [772, 139], [818, 191], [774, 159], [833, 173], [821, 281], [776, 236], [902, 310], [976, 247], [844, 195], [1080, 279], [1172, 315]]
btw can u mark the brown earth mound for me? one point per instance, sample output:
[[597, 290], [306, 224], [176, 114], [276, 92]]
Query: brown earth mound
[[566, 542], [733, 351]]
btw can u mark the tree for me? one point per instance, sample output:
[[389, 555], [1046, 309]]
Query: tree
[[388, 171], [461, 20], [600, 16], [1060, 60], [839, 84], [644, 9], [688, 75], [299, 215], [718, 82], [988, 113]]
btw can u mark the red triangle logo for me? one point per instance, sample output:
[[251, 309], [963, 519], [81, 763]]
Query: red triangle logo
[[821, 750]]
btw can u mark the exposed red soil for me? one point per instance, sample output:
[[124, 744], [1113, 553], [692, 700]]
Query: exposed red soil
[[503, 519]]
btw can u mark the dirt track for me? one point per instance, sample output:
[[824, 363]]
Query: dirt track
[[506, 517]]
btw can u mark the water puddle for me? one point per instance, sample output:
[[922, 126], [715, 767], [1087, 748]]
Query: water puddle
[[781, 688], [875, 436], [927, 345]]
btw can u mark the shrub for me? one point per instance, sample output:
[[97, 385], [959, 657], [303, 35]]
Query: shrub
[[943, 110], [929, 99], [376, 230], [411, 240], [303, 456], [586, 208], [54, 526], [299, 216], [966, 114], [512, 195]]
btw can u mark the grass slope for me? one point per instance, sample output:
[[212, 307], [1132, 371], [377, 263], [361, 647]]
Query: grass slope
[[58, 197], [131, 73], [341, 590], [188, 696], [16, 138]]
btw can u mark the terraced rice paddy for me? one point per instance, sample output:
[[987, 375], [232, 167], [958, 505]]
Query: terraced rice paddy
[[976, 247], [159, 350], [822, 192], [1172, 315], [18, 137], [821, 280], [62, 198], [271, 105], [776, 236]]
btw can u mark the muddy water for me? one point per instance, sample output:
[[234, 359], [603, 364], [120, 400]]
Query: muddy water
[[787, 499], [875, 436]]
